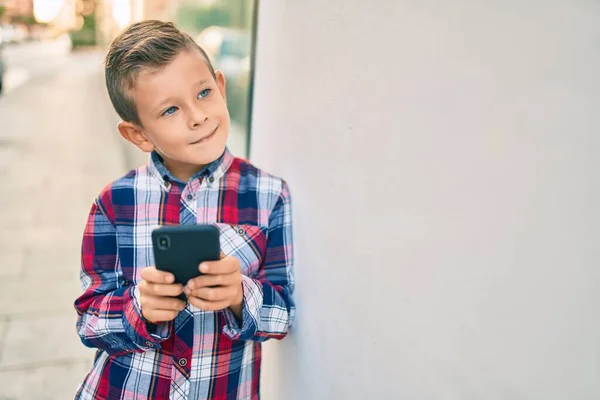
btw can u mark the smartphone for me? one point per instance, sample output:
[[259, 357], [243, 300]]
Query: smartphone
[[179, 249]]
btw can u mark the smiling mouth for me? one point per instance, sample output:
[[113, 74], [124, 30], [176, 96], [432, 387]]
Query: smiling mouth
[[207, 137]]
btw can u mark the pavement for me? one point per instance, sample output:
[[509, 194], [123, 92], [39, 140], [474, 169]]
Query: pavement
[[31, 59], [58, 148]]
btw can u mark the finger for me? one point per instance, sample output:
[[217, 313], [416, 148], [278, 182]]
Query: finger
[[159, 289], [157, 316], [222, 255], [227, 265], [213, 280], [162, 303], [151, 274], [212, 293], [208, 305]]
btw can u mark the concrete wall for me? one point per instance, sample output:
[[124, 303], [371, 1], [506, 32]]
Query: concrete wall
[[443, 158]]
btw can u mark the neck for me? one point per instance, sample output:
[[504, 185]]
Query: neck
[[182, 171]]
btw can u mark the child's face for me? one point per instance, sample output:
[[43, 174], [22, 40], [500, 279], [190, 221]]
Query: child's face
[[184, 114]]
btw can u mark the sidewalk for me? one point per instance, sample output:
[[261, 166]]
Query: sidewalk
[[60, 147], [27, 60]]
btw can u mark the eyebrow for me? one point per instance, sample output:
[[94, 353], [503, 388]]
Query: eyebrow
[[168, 100]]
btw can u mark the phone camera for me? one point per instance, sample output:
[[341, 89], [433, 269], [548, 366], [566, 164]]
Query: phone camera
[[164, 243]]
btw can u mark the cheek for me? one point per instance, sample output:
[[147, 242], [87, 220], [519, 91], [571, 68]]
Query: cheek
[[219, 105], [166, 133], [221, 111]]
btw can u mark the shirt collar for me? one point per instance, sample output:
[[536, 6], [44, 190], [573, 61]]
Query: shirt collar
[[215, 169]]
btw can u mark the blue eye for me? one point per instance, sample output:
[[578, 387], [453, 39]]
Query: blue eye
[[169, 111], [203, 94]]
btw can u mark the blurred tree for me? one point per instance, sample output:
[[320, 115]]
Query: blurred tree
[[193, 18], [29, 20], [86, 36]]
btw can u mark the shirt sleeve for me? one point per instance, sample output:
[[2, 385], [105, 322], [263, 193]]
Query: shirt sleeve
[[109, 312], [268, 308]]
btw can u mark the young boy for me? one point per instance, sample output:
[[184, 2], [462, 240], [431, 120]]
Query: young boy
[[151, 345]]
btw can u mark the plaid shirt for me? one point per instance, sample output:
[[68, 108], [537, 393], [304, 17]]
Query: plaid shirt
[[199, 355]]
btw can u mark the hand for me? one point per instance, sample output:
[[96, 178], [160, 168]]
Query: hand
[[157, 292], [220, 287]]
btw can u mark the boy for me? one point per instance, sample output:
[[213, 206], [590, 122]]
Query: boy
[[151, 345]]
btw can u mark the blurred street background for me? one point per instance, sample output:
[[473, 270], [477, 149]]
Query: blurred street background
[[59, 147]]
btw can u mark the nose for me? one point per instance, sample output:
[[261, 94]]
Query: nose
[[197, 117]]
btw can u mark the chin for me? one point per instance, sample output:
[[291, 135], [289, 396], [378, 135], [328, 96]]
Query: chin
[[211, 153]]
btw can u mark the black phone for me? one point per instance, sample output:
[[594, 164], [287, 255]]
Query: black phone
[[179, 249]]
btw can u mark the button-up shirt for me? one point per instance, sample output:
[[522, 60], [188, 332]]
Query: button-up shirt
[[200, 354]]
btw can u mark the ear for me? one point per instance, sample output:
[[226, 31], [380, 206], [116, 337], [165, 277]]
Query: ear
[[133, 134], [221, 84]]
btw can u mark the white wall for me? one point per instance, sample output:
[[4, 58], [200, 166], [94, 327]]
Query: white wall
[[444, 161]]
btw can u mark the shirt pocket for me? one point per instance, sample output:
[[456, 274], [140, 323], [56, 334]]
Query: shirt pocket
[[248, 243]]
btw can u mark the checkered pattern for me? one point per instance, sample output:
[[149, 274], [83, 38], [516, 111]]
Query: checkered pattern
[[199, 355]]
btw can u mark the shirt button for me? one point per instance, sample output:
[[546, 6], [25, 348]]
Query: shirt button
[[211, 179], [241, 231], [149, 344], [182, 362], [190, 197]]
